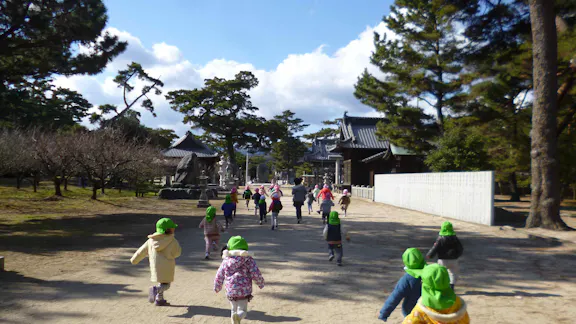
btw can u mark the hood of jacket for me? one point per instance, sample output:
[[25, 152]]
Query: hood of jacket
[[161, 241], [236, 259]]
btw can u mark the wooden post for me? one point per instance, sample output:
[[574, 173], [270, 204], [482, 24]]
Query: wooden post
[[1, 263]]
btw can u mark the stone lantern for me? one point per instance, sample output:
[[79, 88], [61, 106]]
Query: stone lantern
[[203, 184]]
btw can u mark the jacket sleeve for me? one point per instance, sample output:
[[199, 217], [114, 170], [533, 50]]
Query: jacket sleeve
[[394, 299], [202, 223], [325, 232], [176, 249], [219, 279], [140, 254], [255, 274], [434, 250]]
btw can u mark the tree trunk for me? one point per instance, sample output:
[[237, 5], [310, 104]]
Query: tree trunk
[[102, 182], [545, 206], [65, 184], [94, 191], [35, 183], [57, 191], [514, 192], [18, 182]]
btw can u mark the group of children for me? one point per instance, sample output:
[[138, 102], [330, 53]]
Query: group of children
[[428, 290]]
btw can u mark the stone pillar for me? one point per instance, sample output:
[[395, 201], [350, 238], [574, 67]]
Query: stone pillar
[[203, 183], [337, 173], [169, 180]]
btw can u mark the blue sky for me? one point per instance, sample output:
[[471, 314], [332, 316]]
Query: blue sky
[[307, 55], [262, 32]]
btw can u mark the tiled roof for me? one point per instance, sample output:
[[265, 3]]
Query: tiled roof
[[360, 132], [173, 153], [189, 144], [321, 151]]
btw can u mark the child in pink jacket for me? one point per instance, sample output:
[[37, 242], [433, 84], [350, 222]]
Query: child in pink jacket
[[212, 230], [237, 271]]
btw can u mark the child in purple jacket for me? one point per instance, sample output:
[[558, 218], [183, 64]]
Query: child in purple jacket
[[237, 271]]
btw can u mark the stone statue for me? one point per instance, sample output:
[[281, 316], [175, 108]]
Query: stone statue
[[222, 171], [187, 170]]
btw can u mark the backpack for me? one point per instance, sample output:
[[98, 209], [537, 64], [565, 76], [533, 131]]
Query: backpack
[[277, 206], [247, 194]]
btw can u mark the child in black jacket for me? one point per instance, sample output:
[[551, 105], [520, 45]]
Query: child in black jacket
[[449, 249]]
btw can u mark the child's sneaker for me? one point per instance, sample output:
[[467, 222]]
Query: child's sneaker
[[339, 264], [272, 227], [214, 247], [152, 294], [260, 222], [235, 319], [162, 302], [330, 258], [207, 256]]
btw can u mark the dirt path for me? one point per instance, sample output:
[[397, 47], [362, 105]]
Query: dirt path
[[507, 276]]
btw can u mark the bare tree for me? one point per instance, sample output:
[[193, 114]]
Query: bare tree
[[545, 208], [55, 154], [105, 155]]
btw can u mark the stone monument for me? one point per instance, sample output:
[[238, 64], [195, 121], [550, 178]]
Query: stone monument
[[187, 170], [222, 171]]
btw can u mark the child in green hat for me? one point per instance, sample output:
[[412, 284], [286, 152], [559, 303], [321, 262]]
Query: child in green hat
[[237, 271], [333, 233], [439, 303], [262, 209], [212, 230], [409, 287], [448, 249], [162, 249], [228, 207]]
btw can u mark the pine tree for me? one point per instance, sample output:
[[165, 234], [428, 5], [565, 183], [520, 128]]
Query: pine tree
[[423, 64]]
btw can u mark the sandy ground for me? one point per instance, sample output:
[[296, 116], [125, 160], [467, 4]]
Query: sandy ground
[[507, 276]]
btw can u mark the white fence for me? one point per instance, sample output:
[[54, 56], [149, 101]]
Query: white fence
[[363, 192], [467, 196]]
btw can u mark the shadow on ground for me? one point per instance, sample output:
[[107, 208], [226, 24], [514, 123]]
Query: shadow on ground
[[221, 312]]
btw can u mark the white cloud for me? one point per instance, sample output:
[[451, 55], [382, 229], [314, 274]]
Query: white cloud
[[316, 86]]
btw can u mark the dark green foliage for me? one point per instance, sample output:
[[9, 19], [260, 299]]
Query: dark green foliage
[[460, 149], [325, 132], [424, 63], [222, 108], [42, 38], [287, 152], [133, 72]]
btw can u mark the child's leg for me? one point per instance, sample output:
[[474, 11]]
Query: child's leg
[[242, 308], [162, 287], [234, 311], [275, 219], [234, 210], [216, 242], [330, 252], [340, 251], [208, 243]]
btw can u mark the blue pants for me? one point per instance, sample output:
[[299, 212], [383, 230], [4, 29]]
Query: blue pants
[[339, 251]]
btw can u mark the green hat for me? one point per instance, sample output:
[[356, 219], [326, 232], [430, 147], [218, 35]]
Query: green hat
[[414, 262], [228, 199], [237, 243], [163, 224], [333, 219], [447, 229], [436, 291], [210, 213]]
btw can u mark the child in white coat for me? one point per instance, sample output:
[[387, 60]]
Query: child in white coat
[[162, 249]]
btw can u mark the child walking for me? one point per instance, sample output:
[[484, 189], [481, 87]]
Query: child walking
[[262, 208], [325, 209], [449, 249], [237, 271], [344, 201], [439, 303], [247, 195], [316, 192], [162, 249], [256, 198], [212, 229], [228, 207], [234, 197], [275, 208], [333, 232], [310, 199], [408, 288]]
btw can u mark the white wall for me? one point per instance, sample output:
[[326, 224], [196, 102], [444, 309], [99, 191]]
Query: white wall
[[467, 196]]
